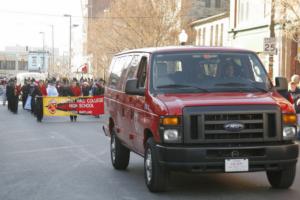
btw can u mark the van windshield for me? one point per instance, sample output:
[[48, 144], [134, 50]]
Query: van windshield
[[208, 72]]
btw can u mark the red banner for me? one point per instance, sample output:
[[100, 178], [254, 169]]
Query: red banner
[[89, 106]]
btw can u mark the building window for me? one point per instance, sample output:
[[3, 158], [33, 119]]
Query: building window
[[265, 9], [247, 11], [22, 65], [207, 3], [221, 35], [2, 64], [211, 35], [243, 11], [199, 36], [203, 36], [218, 3], [217, 35], [11, 64]]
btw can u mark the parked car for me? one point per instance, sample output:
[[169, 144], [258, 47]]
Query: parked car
[[199, 109]]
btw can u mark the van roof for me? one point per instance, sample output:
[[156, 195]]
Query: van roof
[[184, 48]]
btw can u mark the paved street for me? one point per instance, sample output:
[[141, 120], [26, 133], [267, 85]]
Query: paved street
[[61, 160]]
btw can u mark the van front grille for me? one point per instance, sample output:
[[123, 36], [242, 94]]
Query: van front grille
[[256, 125]]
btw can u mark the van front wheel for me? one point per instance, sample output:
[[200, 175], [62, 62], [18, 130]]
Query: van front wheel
[[119, 153], [282, 179], [156, 176]]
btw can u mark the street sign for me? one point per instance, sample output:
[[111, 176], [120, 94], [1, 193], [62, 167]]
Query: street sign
[[270, 46]]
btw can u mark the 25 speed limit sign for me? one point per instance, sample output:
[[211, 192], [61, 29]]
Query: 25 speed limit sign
[[270, 46]]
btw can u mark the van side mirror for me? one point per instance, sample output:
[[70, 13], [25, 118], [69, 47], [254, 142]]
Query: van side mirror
[[132, 89], [281, 84]]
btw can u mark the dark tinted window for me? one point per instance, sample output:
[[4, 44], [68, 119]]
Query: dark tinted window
[[205, 72], [142, 73]]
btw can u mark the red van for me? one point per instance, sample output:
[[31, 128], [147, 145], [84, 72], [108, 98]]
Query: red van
[[199, 109]]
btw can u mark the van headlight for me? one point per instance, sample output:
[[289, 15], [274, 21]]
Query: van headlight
[[171, 135], [289, 132]]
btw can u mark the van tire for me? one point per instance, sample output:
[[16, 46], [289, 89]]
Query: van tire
[[119, 154], [156, 176], [282, 179]]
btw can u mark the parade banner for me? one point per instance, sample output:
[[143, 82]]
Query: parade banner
[[66, 106]]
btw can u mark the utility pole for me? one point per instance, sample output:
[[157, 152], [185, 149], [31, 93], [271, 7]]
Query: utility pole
[[70, 40], [52, 48], [272, 35], [43, 33]]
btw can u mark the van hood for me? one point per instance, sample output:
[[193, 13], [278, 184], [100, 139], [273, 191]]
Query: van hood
[[176, 102]]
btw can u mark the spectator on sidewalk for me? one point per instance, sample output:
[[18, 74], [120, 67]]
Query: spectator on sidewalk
[[295, 92]]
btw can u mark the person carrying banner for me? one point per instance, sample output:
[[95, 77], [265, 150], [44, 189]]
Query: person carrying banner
[[75, 92], [38, 93]]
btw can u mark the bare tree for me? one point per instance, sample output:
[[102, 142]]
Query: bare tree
[[130, 24], [288, 15]]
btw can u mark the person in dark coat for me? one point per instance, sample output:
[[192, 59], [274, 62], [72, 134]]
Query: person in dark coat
[[39, 92], [25, 92], [9, 94], [85, 89], [15, 97]]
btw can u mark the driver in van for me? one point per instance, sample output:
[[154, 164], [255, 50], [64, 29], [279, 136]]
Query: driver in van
[[229, 71]]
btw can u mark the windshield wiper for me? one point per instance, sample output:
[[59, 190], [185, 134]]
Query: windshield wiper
[[231, 84], [182, 86]]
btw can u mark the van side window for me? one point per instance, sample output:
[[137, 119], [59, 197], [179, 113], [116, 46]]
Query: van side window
[[133, 67], [125, 65], [142, 73], [116, 72]]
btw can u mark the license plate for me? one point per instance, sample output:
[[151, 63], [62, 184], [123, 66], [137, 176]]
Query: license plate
[[236, 165]]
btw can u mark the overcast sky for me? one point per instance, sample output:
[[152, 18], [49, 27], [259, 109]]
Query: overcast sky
[[22, 21]]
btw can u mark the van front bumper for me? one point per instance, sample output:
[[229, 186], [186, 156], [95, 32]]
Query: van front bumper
[[212, 159]]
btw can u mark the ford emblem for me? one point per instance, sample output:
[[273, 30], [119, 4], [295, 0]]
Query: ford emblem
[[234, 126]]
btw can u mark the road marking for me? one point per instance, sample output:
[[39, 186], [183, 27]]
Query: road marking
[[47, 149], [19, 131], [32, 139]]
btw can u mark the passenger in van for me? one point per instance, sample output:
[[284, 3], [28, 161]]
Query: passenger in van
[[162, 75], [229, 71]]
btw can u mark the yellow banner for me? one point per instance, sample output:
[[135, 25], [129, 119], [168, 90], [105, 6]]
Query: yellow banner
[[57, 106]]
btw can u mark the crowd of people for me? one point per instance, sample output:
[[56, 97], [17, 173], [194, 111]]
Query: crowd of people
[[32, 90]]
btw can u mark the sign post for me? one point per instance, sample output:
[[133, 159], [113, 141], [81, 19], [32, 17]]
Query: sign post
[[298, 51], [270, 46]]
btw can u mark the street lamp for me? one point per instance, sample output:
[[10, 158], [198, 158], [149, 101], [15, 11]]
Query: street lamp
[[70, 41], [43, 33], [183, 37]]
